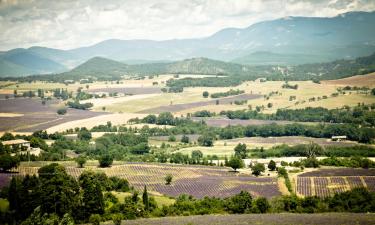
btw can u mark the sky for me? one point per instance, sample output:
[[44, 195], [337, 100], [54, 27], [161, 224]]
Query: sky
[[67, 24]]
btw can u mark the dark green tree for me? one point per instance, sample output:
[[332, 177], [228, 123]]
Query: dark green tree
[[240, 150], [58, 190], [81, 160], [93, 200], [105, 160], [145, 199], [239, 203], [272, 165], [257, 169], [235, 163]]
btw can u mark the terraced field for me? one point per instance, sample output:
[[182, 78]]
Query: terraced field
[[327, 182], [198, 181]]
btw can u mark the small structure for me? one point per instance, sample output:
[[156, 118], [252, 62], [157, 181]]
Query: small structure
[[18, 144], [338, 138]]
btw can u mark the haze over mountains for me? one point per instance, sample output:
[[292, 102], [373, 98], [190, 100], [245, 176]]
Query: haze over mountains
[[292, 40]]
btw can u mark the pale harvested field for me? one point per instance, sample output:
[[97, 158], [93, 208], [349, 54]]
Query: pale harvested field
[[337, 102], [187, 106], [359, 81], [10, 114], [100, 102], [115, 119]]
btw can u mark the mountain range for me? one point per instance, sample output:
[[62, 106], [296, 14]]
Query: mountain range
[[284, 41]]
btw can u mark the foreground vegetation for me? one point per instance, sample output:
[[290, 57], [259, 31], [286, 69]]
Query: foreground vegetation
[[56, 196]]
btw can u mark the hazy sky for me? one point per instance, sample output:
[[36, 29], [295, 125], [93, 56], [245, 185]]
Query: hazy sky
[[68, 24]]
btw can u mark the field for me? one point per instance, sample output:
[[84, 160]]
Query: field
[[367, 80], [225, 147], [32, 115], [327, 182], [181, 107], [261, 219], [146, 97], [198, 181]]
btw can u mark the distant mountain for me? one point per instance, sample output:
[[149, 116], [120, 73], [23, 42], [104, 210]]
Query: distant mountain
[[287, 41], [18, 62], [100, 68], [270, 58]]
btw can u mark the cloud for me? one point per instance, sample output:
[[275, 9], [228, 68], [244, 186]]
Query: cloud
[[70, 23]]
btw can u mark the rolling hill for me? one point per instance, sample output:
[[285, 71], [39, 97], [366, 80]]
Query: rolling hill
[[284, 41]]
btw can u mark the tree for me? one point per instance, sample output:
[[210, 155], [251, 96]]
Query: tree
[[258, 168], [8, 162], [93, 200], [145, 199], [84, 135], [205, 94], [240, 151], [206, 140], [235, 163], [58, 191], [81, 160], [172, 138], [185, 139], [168, 179], [105, 160], [272, 165], [312, 150], [196, 154], [262, 205], [239, 203]]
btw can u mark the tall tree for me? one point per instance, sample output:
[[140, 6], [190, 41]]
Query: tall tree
[[145, 199], [93, 200]]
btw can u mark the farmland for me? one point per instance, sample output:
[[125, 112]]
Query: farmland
[[198, 181], [223, 148], [327, 182], [35, 116], [247, 219]]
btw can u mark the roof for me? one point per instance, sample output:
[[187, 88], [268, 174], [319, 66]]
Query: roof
[[339, 136], [15, 142]]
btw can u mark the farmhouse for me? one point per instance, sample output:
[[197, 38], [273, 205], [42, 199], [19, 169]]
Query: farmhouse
[[23, 146], [338, 138], [17, 144]]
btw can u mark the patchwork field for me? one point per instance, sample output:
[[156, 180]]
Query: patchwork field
[[32, 115], [327, 182], [198, 181]]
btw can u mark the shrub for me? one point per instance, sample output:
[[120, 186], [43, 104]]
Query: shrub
[[61, 111], [168, 179], [105, 160]]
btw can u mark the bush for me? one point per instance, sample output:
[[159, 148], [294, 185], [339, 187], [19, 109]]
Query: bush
[[105, 160], [95, 219], [81, 161], [7, 162], [61, 111], [261, 205], [257, 169], [272, 165], [168, 179]]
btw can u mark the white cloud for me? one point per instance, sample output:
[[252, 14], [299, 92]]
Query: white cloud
[[69, 24]]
